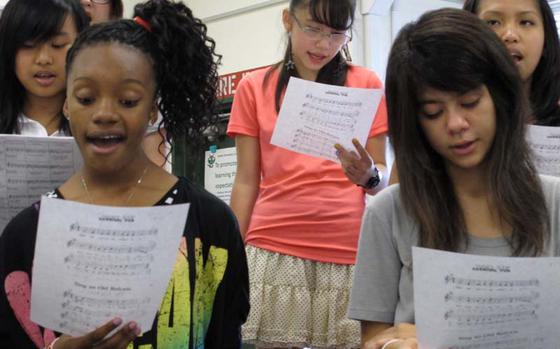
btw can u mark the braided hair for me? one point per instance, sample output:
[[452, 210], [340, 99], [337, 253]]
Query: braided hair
[[183, 59]]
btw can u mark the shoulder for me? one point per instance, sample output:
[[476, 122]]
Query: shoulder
[[255, 87], [21, 230], [385, 203], [24, 224], [358, 76], [386, 215], [258, 77]]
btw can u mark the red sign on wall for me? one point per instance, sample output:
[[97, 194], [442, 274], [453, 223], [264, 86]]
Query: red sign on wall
[[228, 82]]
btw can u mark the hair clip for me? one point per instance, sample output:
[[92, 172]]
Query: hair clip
[[143, 23]]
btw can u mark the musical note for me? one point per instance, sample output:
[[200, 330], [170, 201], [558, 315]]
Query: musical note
[[100, 262], [32, 166], [314, 117]]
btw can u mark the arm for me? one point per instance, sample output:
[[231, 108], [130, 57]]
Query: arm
[[231, 306], [247, 180], [376, 334]]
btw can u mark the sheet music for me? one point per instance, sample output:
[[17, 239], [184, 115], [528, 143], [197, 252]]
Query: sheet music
[[30, 167], [93, 263], [479, 302], [314, 117], [545, 144]]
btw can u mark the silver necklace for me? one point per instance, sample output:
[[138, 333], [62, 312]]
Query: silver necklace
[[130, 196]]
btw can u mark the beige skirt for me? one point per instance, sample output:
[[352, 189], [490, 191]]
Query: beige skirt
[[298, 303]]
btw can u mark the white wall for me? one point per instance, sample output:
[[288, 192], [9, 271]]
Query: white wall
[[382, 28], [249, 33], [252, 38], [129, 7]]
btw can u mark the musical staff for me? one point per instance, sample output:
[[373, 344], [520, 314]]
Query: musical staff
[[545, 146], [314, 117], [30, 167], [468, 301], [101, 262]]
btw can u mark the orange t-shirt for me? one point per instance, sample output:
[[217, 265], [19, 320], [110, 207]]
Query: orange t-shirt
[[306, 207]]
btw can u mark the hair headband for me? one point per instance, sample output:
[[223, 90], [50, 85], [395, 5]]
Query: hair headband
[[143, 23]]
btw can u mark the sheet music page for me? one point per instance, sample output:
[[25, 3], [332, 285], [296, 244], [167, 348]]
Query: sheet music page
[[93, 263], [30, 167], [479, 302], [314, 117], [545, 144]]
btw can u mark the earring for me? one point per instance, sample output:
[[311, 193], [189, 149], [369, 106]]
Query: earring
[[346, 52], [289, 63]]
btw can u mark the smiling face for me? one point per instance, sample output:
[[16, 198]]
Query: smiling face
[[519, 24], [461, 128], [39, 66], [310, 54], [110, 100]]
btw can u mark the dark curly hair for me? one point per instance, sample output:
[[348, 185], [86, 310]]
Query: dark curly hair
[[116, 9], [22, 21], [184, 63]]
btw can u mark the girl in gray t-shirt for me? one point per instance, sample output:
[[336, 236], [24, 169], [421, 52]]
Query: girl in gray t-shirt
[[457, 111]]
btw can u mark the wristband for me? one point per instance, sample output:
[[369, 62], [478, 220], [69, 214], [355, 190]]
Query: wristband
[[51, 346], [372, 178], [394, 340]]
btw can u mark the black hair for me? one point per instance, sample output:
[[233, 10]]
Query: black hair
[[545, 84], [116, 9], [23, 21], [452, 50], [183, 58], [337, 14]]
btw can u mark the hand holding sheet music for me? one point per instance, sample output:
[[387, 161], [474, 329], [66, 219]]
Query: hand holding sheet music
[[314, 117], [467, 301], [102, 262]]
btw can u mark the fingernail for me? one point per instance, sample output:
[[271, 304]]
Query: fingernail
[[337, 146], [138, 331], [132, 325], [117, 321]]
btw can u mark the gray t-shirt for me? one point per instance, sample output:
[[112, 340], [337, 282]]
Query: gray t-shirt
[[382, 289]]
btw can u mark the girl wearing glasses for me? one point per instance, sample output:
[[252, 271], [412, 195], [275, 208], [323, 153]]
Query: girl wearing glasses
[[300, 215], [103, 10]]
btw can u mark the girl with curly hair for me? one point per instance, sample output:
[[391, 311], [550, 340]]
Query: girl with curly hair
[[120, 74]]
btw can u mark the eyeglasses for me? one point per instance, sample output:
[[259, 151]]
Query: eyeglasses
[[317, 34], [101, 2]]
